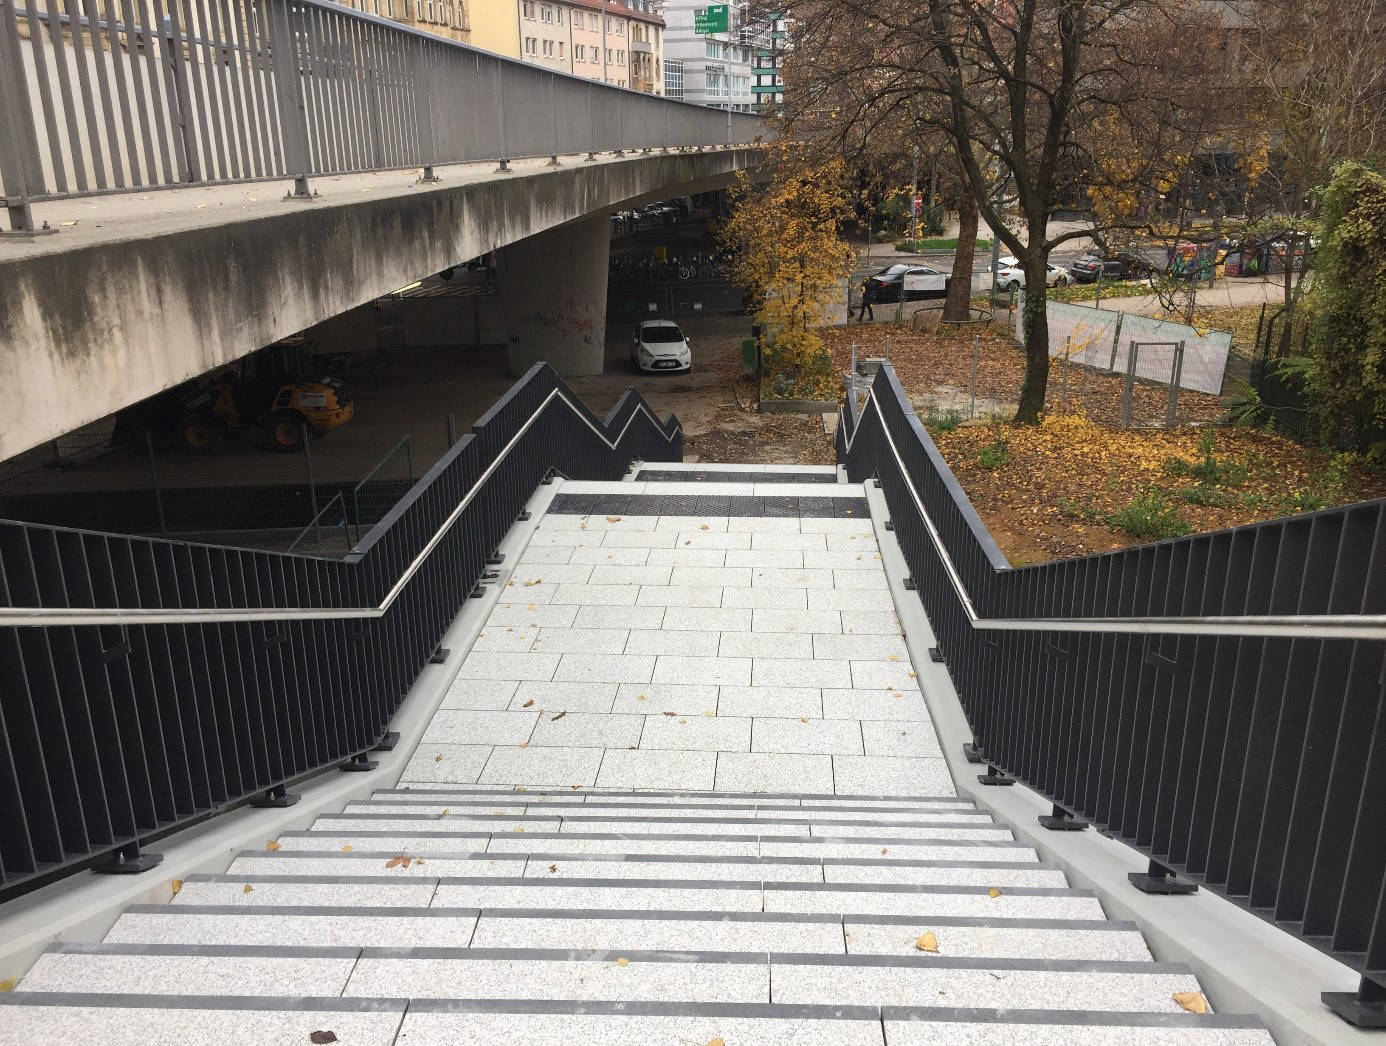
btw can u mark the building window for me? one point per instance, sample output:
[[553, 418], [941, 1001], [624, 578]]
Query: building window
[[620, 28], [673, 78], [559, 12], [608, 56], [560, 49], [594, 22], [545, 13], [531, 45], [620, 58], [579, 53], [527, 9], [608, 25]]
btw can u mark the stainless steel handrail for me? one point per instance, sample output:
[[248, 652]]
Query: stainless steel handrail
[[51, 616], [1300, 626]]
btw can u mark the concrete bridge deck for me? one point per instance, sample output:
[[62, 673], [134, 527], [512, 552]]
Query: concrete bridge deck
[[685, 788]]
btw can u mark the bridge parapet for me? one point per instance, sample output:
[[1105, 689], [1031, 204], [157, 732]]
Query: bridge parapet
[[138, 96]]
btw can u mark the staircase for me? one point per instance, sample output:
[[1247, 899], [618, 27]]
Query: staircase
[[684, 790]]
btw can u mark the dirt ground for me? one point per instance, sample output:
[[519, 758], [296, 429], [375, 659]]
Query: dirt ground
[[415, 393], [936, 371]]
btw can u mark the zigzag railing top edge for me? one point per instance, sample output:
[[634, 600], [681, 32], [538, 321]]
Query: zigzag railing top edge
[[1005, 581], [635, 404]]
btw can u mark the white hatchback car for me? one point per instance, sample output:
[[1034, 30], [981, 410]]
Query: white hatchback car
[[660, 345], [1011, 276]]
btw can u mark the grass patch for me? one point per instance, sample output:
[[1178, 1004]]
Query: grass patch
[[945, 420], [1151, 516], [1208, 468], [996, 453], [937, 244], [1081, 292]]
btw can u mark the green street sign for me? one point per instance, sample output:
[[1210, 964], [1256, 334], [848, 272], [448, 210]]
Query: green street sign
[[711, 19]]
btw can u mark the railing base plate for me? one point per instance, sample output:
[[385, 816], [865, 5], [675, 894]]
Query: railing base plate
[[495, 559], [996, 778], [276, 799], [439, 656], [1062, 821], [26, 234], [359, 765], [1158, 879], [971, 754], [1364, 1008], [130, 861], [935, 655], [388, 742]]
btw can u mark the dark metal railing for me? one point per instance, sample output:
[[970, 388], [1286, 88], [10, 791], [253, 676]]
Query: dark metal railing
[[1217, 701], [146, 684], [160, 93]]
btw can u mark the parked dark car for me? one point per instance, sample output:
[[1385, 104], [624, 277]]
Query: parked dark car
[[887, 283], [1118, 266]]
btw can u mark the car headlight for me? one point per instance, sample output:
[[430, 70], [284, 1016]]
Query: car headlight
[[645, 353]]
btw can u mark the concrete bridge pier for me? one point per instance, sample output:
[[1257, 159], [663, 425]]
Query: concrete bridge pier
[[553, 297]]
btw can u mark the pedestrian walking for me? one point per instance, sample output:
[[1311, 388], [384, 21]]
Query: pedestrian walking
[[868, 296]]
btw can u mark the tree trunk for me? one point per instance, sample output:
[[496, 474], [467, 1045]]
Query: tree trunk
[[959, 303], [1035, 325]]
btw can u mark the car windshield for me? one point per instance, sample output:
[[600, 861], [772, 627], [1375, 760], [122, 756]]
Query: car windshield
[[1008, 262], [661, 335], [894, 270]]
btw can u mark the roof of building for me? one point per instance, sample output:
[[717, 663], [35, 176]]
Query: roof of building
[[615, 7]]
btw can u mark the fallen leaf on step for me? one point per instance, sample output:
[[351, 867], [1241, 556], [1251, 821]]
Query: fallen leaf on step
[[553, 868], [530, 608], [703, 527], [927, 943], [346, 849], [575, 786], [914, 675], [528, 703], [7, 985], [175, 886], [446, 812], [640, 697], [885, 849], [517, 828], [895, 657], [248, 889], [323, 1036], [68, 225], [1194, 1002], [521, 788], [438, 758], [272, 845], [536, 581], [418, 860], [683, 720], [613, 519], [623, 961], [524, 744], [993, 892], [803, 719], [557, 716], [689, 541], [671, 714], [397, 862], [716, 1040]]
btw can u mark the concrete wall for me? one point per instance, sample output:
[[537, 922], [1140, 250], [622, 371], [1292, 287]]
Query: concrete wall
[[102, 315]]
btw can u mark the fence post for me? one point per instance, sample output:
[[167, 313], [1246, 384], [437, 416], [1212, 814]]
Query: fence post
[[1176, 370], [976, 360], [1063, 375], [19, 163], [452, 430], [154, 479], [288, 90], [312, 486], [1127, 391]]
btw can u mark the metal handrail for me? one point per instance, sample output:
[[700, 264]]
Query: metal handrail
[[1317, 626], [316, 527], [48, 616], [404, 442]]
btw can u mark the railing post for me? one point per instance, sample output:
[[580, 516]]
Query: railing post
[[1176, 373], [19, 161], [288, 91], [423, 109], [1128, 389]]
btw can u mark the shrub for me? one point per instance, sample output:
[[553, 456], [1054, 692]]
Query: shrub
[[1150, 516], [994, 455]]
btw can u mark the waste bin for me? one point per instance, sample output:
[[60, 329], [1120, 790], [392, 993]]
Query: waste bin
[[750, 355]]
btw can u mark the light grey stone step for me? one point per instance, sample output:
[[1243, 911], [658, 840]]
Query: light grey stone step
[[609, 930], [329, 860], [60, 1019], [1060, 984], [656, 795], [891, 899], [523, 974], [364, 891], [209, 969], [767, 845], [382, 819], [420, 927], [651, 895], [542, 1023], [639, 811]]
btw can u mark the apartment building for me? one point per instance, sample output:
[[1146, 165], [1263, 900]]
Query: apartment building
[[610, 41], [717, 67], [768, 87], [449, 18]]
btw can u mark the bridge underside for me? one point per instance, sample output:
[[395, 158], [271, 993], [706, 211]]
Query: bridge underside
[[137, 293]]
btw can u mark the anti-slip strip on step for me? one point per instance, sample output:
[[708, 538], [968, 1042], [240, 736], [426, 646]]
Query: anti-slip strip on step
[[809, 1011], [310, 1004], [292, 911], [740, 822], [493, 856], [710, 505], [577, 807], [703, 837], [665, 476], [234, 951]]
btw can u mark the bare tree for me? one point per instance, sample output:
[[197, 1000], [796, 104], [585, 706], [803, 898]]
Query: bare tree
[[1044, 102]]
